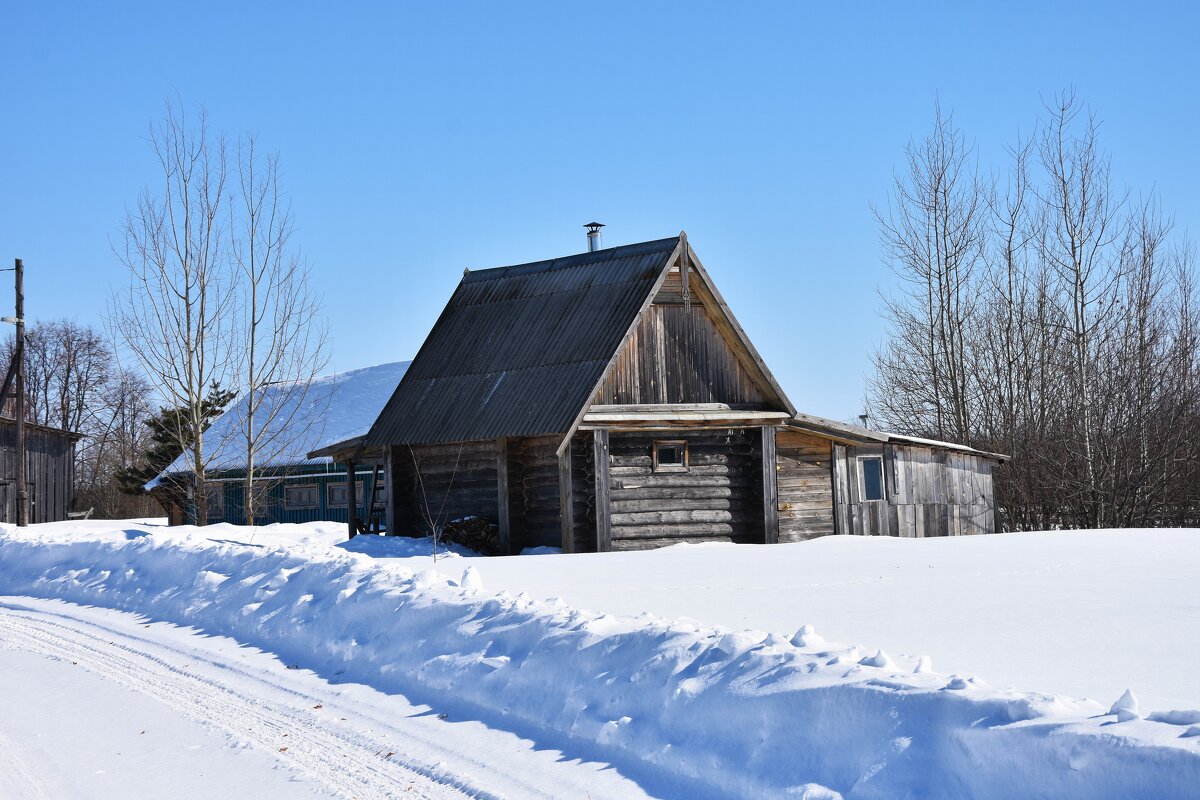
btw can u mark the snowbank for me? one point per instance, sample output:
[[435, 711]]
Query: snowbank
[[706, 711]]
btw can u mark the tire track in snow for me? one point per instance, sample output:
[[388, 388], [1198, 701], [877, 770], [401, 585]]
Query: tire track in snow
[[350, 764]]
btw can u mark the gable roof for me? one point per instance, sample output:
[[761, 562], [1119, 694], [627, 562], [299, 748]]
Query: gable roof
[[335, 408], [520, 350]]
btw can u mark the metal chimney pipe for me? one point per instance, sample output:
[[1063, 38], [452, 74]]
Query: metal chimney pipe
[[593, 234]]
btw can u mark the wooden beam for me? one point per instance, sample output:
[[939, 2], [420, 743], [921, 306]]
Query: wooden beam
[[731, 417], [565, 510], [770, 488], [391, 483], [352, 500], [603, 484], [505, 532]]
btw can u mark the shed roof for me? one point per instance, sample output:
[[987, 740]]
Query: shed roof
[[519, 350], [853, 433]]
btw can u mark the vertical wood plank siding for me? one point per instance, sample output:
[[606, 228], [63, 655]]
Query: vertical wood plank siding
[[719, 498], [805, 486], [49, 473], [927, 492], [679, 356]]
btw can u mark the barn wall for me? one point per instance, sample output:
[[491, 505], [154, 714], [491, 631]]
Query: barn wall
[[928, 492], [533, 492], [805, 486], [719, 498], [49, 473], [458, 480], [678, 355]]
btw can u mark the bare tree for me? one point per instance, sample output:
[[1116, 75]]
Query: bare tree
[[1079, 345], [933, 237], [1081, 211], [436, 487], [175, 316], [281, 340]]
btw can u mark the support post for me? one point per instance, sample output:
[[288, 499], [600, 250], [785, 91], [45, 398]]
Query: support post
[[391, 485], [603, 484], [351, 499], [770, 488], [504, 533], [22, 488], [566, 511]]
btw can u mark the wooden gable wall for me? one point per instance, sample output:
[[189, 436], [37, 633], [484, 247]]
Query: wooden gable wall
[[680, 355]]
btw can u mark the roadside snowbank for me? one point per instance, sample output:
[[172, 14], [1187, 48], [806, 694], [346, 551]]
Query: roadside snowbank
[[707, 711]]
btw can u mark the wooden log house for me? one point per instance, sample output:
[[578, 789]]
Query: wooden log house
[[611, 401]]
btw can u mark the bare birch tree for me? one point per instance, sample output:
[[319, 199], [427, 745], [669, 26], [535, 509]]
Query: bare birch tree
[[1081, 245], [281, 340], [175, 315], [933, 236]]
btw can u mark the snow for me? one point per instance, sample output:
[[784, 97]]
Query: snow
[[146, 709], [335, 408], [1102, 611], [715, 671]]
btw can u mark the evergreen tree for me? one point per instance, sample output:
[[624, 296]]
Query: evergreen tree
[[166, 446]]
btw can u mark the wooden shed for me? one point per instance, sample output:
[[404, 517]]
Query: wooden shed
[[610, 400], [49, 471]]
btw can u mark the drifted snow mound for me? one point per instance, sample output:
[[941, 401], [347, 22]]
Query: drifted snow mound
[[693, 711]]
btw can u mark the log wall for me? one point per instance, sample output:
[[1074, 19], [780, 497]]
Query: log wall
[[719, 498], [533, 493], [458, 480]]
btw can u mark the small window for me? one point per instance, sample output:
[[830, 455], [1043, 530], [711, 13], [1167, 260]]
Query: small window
[[302, 496], [872, 475], [337, 494], [671, 456]]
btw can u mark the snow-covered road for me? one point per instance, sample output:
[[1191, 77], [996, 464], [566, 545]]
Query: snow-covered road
[[221, 716]]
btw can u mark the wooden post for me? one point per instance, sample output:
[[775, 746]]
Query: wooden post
[[566, 512], [603, 505], [351, 500], [22, 488], [770, 488], [391, 485], [502, 521]]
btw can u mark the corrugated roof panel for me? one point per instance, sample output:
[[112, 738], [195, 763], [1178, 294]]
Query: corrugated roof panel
[[518, 349]]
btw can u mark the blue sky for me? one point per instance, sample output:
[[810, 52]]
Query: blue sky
[[419, 139]]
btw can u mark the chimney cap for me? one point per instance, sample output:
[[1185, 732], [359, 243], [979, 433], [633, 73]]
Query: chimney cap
[[594, 226]]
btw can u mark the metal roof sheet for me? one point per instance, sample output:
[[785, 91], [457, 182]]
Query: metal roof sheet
[[518, 350]]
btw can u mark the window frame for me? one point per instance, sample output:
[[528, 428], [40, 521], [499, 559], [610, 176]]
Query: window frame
[[862, 480], [288, 505], [358, 493], [683, 465]]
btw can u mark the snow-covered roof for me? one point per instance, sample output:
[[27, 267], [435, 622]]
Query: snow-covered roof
[[333, 409]]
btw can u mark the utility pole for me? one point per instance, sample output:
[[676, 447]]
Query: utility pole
[[22, 488]]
